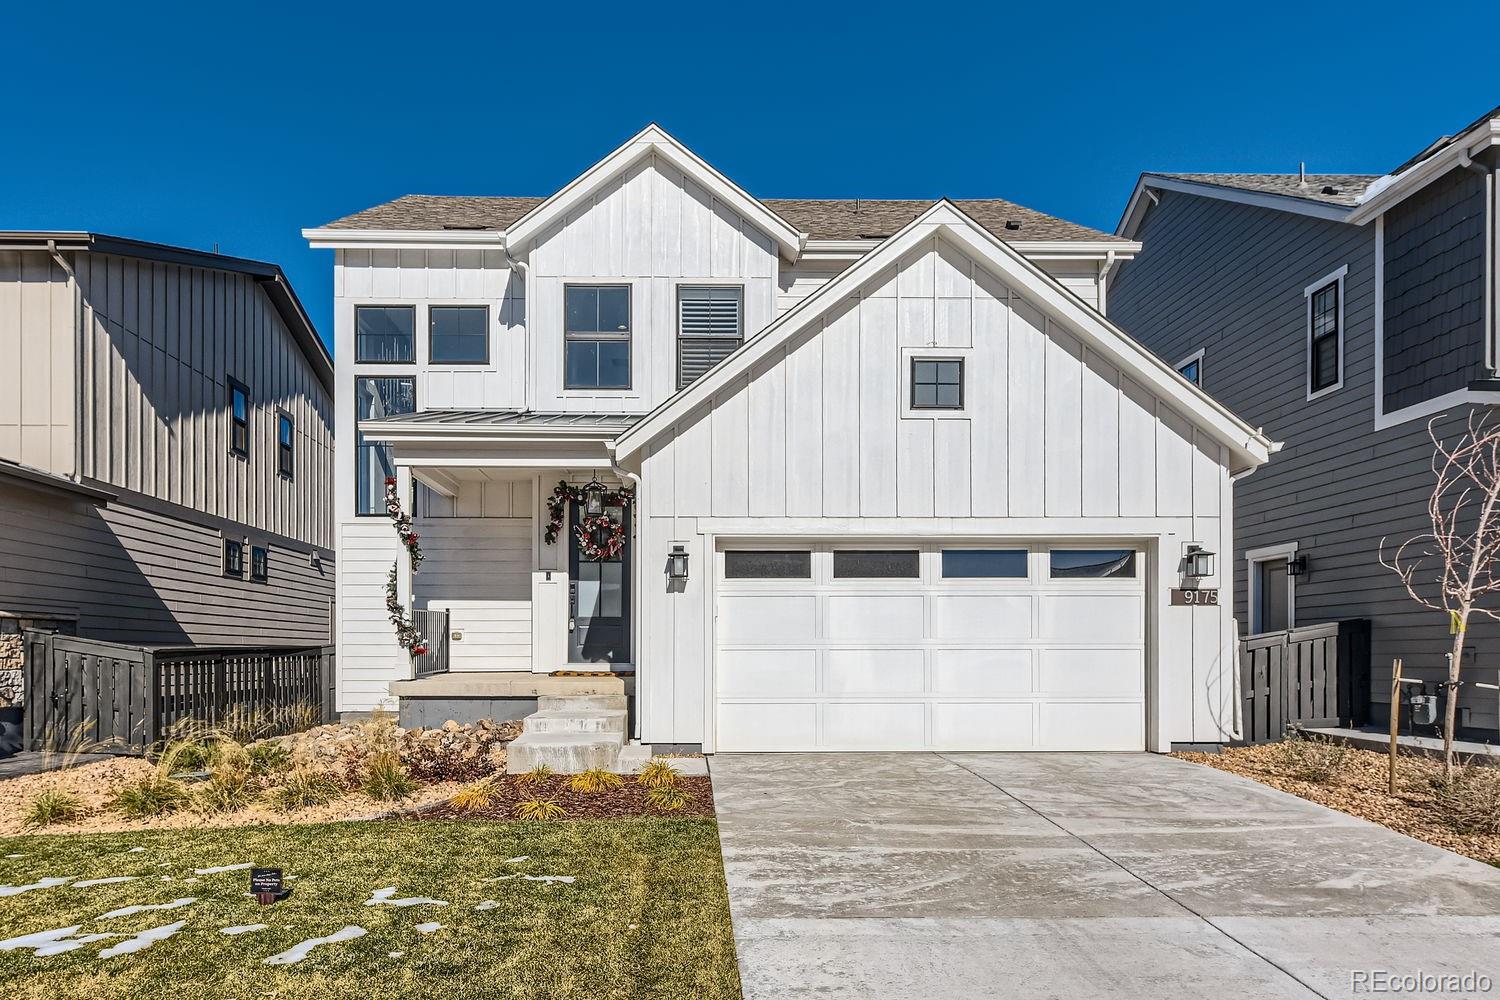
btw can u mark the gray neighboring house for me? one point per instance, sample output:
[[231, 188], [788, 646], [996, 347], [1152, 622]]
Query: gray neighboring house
[[1341, 313], [166, 448]]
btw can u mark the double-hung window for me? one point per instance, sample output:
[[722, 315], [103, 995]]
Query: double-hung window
[[286, 446], [239, 419], [596, 348], [710, 327], [375, 398], [1325, 334], [385, 334], [460, 335]]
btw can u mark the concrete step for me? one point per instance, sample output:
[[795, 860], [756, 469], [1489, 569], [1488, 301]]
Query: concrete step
[[597, 720], [564, 753], [581, 703], [632, 758]]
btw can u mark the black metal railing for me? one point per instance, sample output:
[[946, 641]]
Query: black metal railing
[[432, 623]]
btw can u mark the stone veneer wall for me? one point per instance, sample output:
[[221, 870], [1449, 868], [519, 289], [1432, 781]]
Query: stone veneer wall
[[13, 653]]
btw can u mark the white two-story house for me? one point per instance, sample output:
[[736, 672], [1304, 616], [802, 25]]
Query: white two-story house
[[810, 474]]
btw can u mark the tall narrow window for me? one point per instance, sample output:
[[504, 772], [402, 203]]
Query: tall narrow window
[[710, 327], [286, 446], [460, 335], [1324, 336], [234, 558], [375, 398], [239, 419], [385, 334], [596, 350], [260, 563]]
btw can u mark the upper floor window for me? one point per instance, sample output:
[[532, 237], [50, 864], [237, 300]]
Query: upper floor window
[[937, 385], [239, 419], [286, 445], [710, 327], [1325, 334], [385, 334], [596, 348], [375, 398], [260, 563], [234, 557], [460, 335], [1191, 368]]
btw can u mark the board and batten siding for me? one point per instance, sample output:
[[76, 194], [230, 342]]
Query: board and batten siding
[[1054, 443], [38, 366], [797, 281], [158, 343], [1229, 279]]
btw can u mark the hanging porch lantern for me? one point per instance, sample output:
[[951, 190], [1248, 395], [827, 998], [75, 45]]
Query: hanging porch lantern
[[593, 498]]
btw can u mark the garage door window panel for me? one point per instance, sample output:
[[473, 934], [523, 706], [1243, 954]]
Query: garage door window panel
[[1093, 564], [877, 564], [989, 564], [760, 564]]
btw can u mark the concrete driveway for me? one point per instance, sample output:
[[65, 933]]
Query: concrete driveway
[[1079, 876]]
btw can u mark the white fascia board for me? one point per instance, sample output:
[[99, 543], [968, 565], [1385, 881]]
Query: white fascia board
[[946, 219], [1135, 209], [652, 140], [401, 239], [1393, 189]]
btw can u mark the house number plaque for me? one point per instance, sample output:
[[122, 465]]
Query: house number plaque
[[1188, 596]]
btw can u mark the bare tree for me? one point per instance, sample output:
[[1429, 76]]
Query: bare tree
[[1452, 568]]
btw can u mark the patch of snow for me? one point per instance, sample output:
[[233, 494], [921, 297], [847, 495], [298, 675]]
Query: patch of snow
[[143, 940], [243, 928], [429, 928], [516, 861], [39, 939], [224, 868], [126, 911], [383, 897], [103, 881], [565, 879], [298, 952], [1376, 186], [135, 850], [44, 883], [394, 954], [71, 944], [488, 904], [166, 878], [12, 857], [164, 864]]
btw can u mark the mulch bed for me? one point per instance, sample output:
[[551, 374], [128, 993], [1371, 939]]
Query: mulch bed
[[616, 803]]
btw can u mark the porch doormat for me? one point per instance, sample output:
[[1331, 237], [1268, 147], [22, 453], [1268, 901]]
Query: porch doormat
[[592, 673]]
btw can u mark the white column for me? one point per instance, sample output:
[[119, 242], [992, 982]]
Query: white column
[[403, 561]]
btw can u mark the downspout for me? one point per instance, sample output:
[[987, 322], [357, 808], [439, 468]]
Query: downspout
[[635, 585], [1237, 716], [1491, 246], [1104, 269], [525, 271], [62, 262]]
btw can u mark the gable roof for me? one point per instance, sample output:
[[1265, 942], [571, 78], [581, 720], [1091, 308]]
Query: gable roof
[[1249, 447], [1327, 189], [1444, 154], [267, 275], [651, 141], [1322, 196]]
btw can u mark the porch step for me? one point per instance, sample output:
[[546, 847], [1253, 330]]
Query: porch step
[[564, 753], [581, 703], [574, 720]]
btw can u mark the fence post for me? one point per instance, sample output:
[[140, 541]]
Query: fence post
[[221, 696], [151, 683]]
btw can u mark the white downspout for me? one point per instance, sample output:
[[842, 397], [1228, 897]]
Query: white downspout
[[525, 271]]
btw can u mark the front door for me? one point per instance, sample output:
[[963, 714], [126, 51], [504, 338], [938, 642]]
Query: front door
[[599, 598]]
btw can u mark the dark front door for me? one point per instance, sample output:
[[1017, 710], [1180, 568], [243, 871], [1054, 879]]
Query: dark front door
[[599, 622]]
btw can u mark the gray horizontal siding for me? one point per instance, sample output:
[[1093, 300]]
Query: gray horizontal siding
[[137, 575], [1434, 290], [1230, 279]]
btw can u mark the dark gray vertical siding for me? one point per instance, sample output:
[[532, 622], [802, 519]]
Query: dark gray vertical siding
[[136, 575], [1434, 290], [1230, 278]]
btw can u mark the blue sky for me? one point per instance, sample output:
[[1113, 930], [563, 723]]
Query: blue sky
[[238, 125]]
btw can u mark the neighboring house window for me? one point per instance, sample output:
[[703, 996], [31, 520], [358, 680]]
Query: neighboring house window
[[286, 446], [937, 385], [1092, 564], [234, 558], [385, 334], [596, 337], [1191, 368], [375, 398], [710, 327], [1325, 334], [1273, 590], [239, 419], [260, 563], [460, 335]]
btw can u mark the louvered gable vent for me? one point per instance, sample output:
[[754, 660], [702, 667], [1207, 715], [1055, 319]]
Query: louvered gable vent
[[710, 327]]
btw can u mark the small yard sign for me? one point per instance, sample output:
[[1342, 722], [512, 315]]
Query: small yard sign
[[1193, 595], [267, 885]]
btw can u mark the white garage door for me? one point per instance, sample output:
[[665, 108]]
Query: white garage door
[[957, 647]]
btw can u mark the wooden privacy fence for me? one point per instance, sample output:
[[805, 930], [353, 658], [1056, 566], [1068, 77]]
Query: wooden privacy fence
[[127, 698], [433, 625], [1317, 675]]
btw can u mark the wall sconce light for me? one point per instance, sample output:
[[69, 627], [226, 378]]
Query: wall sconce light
[[593, 498], [1296, 566], [1199, 562], [677, 563]]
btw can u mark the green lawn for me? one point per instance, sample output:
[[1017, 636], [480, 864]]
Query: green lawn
[[647, 916]]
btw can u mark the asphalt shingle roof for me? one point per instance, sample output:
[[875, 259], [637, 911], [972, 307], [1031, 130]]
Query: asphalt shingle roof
[[1330, 189], [821, 219]]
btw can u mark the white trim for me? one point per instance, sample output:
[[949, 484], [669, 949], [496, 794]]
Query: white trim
[[1270, 553], [1393, 189], [1135, 209], [945, 219], [402, 239], [1195, 356], [965, 389], [652, 141], [1335, 278]]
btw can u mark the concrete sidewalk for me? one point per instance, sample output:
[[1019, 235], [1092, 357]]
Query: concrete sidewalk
[[1077, 876]]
